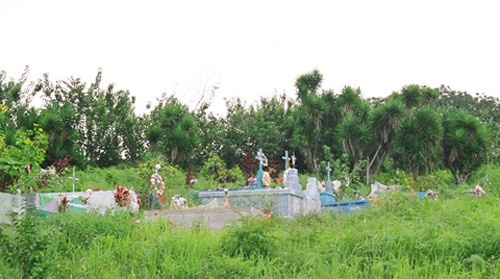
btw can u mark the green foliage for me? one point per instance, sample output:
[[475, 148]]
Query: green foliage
[[28, 150], [465, 144], [251, 239], [172, 128], [399, 237], [24, 246], [216, 169]]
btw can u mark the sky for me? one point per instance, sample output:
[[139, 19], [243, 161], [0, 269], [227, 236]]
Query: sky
[[253, 49]]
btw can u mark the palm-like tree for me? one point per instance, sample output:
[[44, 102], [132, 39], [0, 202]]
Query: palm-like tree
[[385, 120], [349, 99], [310, 116], [418, 138], [411, 96], [465, 144], [429, 96], [154, 136], [357, 138]]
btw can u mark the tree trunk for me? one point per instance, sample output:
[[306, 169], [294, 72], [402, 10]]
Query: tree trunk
[[378, 162]]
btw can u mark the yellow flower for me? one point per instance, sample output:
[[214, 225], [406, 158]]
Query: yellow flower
[[36, 125], [43, 150], [40, 129]]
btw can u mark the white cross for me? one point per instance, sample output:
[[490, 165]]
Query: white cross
[[74, 179]]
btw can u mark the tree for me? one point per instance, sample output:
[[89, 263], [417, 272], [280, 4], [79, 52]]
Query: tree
[[385, 119], [465, 144], [173, 129], [411, 97], [417, 139], [309, 117]]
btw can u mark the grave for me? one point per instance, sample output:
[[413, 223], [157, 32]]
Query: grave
[[345, 207], [288, 202], [328, 196], [312, 197]]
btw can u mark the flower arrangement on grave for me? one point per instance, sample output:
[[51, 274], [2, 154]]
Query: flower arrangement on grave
[[122, 195], [157, 179]]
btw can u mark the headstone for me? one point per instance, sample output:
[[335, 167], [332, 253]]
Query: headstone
[[312, 199], [293, 180], [287, 160]]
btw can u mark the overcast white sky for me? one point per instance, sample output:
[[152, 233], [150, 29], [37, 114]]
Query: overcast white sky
[[254, 48]]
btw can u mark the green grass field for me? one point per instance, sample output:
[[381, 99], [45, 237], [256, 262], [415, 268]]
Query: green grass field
[[456, 236]]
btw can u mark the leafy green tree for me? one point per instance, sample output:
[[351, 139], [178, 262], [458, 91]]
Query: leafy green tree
[[417, 140], [465, 144], [411, 96], [385, 119], [179, 137], [485, 108], [28, 151], [309, 117]]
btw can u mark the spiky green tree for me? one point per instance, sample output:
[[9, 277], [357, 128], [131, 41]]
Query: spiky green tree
[[417, 140], [465, 144], [411, 96], [309, 117], [385, 119]]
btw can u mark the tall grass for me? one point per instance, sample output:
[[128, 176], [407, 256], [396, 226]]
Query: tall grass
[[400, 237], [456, 236]]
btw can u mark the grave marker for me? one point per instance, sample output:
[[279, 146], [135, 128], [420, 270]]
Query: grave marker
[[74, 179]]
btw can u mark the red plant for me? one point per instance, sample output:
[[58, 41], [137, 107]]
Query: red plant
[[122, 195], [189, 175], [64, 204], [249, 166], [59, 166], [84, 200], [276, 164]]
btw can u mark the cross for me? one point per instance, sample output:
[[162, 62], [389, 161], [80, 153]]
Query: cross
[[261, 172], [329, 188], [286, 160], [328, 169], [74, 179], [293, 160], [260, 159]]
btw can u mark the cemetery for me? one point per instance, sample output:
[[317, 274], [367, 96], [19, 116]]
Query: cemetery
[[321, 185], [216, 209]]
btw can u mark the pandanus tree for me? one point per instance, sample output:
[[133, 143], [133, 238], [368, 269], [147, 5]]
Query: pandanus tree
[[309, 117], [349, 100], [172, 130], [357, 137], [384, 119], [411, 96], [465, 144], [417, 140]]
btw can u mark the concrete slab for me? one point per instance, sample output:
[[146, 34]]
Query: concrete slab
[[9, 205], [211, 218]]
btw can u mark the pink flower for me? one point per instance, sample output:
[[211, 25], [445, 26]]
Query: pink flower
[[29, 169]]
